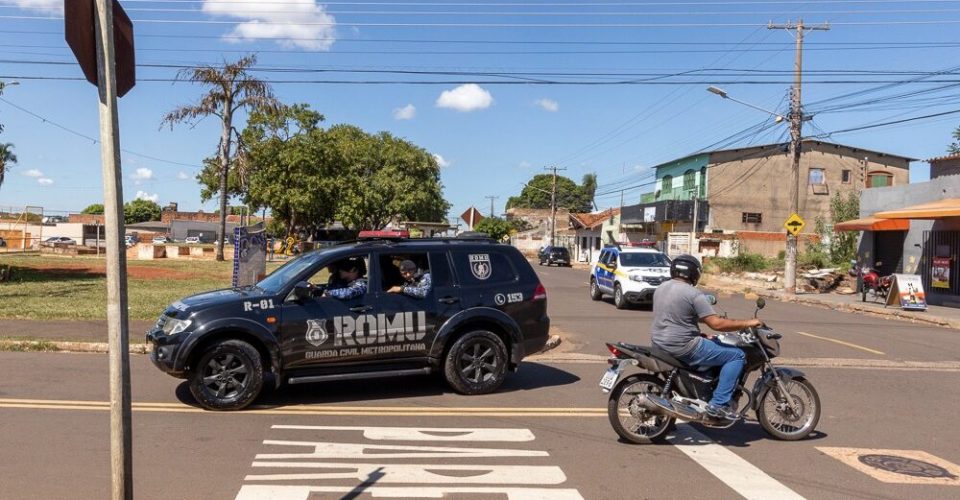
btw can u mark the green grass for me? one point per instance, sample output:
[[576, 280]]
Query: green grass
[[21, 345], [48, 288]]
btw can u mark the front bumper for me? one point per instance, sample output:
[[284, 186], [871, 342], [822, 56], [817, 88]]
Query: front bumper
[[644, 296], [164, 351]]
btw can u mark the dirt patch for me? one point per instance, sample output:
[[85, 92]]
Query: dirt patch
[[68, 269]]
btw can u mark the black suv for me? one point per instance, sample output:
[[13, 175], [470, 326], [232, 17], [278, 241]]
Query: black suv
[[554, 255], [485, 311]]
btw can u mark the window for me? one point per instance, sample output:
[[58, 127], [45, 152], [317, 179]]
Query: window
[[845, 176], [645, 259], [329, 276], [816, 177], [751, 217], [689, 180], [390, 267], [879, 179], [666, 183]]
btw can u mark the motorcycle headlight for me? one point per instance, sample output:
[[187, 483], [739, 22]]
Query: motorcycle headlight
[[174, 326]]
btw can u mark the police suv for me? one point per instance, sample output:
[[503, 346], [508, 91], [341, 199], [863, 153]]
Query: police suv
[[484, 312], [630, 274]]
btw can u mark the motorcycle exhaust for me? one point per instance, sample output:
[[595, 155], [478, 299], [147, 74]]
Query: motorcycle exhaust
[[657, 404]]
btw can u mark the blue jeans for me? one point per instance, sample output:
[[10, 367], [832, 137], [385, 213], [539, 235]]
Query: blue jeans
[[710, 353]]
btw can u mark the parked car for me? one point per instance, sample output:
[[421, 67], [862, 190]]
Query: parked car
[[160, 240], [63, 240], [192, 240], [485, 311], [554, 255], [630, 274]]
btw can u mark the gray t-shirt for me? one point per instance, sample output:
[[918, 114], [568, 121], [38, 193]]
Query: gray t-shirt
[[677, 309]]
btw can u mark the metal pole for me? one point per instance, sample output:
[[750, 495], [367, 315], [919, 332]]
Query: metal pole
[[117, 315], [693, 235], [553, 210]]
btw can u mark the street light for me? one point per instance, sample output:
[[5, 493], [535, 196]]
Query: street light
[[796, 122], [723, 93]]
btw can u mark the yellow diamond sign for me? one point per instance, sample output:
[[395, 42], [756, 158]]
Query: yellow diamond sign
[[794, 224]]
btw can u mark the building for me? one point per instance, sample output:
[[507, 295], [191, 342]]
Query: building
[[588, 236], [747, 191]]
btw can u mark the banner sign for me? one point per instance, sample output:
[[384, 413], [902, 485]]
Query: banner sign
[[249, 255], [907, 289], [941, 272]]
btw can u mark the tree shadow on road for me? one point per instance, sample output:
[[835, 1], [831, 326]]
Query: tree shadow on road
[[530, 376]]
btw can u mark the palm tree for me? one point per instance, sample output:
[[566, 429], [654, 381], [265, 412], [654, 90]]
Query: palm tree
[[231, 88], [7, 159]]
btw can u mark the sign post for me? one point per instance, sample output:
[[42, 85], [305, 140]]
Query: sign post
[[105, 53]]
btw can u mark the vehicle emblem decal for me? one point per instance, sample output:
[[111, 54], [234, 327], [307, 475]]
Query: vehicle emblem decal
[[480, 265], [316, 333]]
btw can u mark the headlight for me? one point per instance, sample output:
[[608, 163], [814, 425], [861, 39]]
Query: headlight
[[174, 326], [636, 277]]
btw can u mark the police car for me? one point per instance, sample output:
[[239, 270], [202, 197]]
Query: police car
[[629, 274], [485, 311]]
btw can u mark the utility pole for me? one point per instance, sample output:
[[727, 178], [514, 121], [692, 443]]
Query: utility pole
[[553, 206], [796, 123], [491, 198]]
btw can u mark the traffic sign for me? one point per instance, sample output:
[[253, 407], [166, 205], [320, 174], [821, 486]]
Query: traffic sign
[[471, 216], [794, 224], [81, 34]]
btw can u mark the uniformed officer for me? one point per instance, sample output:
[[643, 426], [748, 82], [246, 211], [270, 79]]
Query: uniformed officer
[[418, 283], [353, 272]]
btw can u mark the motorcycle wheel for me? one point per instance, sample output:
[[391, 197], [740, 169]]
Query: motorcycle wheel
[[785, 423], [631, 421]]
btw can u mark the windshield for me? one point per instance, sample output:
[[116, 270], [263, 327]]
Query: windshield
[[283, 274], [630, 259]]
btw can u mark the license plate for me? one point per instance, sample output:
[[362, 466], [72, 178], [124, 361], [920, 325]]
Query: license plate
[[610, 378]]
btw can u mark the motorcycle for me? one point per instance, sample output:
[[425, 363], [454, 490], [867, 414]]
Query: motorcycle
[[869, 280], [643, 407]]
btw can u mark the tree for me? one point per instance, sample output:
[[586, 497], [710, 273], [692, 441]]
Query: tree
[[843, 244], [140, 210], [588, 189], [384, 178], [231, 88], [496, 227], [536, 194], [954, 147], [96, 209], [7, 160]]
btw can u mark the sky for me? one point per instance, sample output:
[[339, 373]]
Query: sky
[[498, 90]]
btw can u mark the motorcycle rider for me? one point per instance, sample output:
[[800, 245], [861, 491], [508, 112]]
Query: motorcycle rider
[[678, 307]]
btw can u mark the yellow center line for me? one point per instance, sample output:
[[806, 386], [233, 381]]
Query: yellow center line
[[313, 410], [848, 344]]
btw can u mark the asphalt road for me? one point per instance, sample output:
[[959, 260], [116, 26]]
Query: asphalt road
[[545, 434]]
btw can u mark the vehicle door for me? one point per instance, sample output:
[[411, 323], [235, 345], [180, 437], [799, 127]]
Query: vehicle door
[[407, 323], [607, 266], [321, 330], [488, 278]]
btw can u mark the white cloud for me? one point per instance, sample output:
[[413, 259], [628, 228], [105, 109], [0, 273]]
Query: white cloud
[[43, 181], [33, 173], [405, 113], [524, 165], [276, 20], [183, 176], [143, 195], [465, 98], [48, 6], [548, 105], [142, 174], [443, 162]]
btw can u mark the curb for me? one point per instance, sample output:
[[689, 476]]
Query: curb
[[58, 346], [802, 299]]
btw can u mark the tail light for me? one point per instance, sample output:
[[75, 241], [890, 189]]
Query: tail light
[[613, 350], [540, 293]]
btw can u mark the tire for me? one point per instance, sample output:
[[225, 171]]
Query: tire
[[595, 293], [476, 363], [786, 426], [227, 376], [641, 426], [618, 299]]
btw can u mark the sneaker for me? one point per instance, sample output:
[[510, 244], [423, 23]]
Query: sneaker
[[721, 411]]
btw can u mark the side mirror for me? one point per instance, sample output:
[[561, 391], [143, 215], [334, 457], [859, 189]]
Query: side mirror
[[711, 299], [761, 303], [301, 291]]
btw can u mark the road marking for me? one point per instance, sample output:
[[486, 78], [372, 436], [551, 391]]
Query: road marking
[[395, 411], [740, 475], [923, 472], [352, 469], [848, 344]]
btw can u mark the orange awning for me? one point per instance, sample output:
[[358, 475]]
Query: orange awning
[[873, 224], [935, 210]]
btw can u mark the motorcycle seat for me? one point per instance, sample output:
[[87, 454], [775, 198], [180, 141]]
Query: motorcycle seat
[[668, 358], [642, 349]]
